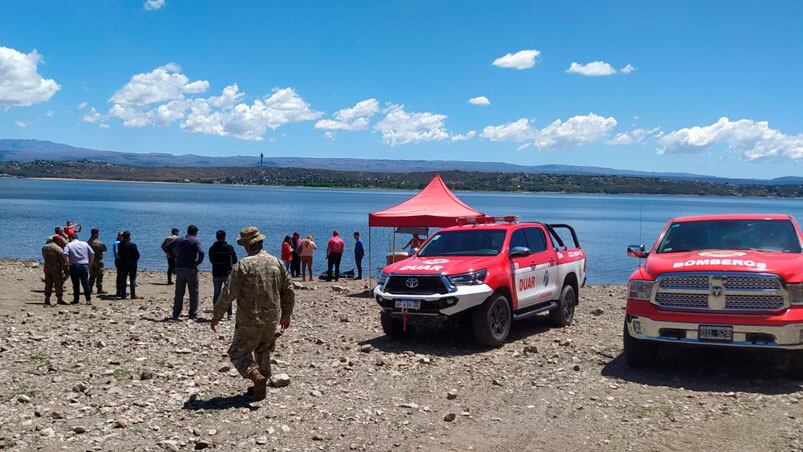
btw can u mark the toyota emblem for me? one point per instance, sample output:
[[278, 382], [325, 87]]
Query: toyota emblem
[[411, 283]]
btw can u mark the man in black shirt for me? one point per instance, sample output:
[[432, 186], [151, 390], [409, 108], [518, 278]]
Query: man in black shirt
[[223, 257], [128, 255]]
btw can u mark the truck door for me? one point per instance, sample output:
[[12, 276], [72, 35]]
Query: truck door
[[524, 280], [545, 265]]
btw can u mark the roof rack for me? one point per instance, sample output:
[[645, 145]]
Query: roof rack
[[485, 219]]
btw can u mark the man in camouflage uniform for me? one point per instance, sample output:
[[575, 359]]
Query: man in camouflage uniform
[[54, 268], [264, 294], [96, 270]]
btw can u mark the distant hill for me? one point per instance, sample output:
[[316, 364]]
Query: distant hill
[[35, 150]]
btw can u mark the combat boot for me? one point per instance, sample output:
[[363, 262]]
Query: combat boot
[[260, 389]]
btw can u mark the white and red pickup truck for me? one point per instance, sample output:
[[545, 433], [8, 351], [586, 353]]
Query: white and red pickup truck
[[493, 271], [718, 280]]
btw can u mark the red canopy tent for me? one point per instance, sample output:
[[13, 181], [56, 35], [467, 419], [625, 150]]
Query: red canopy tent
[[434, 206]]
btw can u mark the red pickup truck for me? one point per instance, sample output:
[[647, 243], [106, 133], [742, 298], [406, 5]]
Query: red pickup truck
[[490, 271], [718, 280]]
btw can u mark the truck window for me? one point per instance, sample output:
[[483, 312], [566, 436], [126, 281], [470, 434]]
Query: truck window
[[470, 242], [518, 239], [536, 239], [764, 235]]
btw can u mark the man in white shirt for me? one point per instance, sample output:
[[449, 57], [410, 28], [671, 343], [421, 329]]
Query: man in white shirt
[[79, 256]]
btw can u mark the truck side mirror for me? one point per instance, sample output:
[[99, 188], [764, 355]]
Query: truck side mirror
[[519, 251], [637, 251]]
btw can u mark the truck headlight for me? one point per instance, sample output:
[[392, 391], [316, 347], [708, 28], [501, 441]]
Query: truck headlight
[[640, 290], [469, 279], [383, 278], [795, 293]]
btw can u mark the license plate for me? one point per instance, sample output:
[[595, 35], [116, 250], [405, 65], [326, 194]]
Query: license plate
[[715, 333], [408, 304]]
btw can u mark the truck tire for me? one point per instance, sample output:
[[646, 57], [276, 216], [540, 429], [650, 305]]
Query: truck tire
[[562, 315], [639, 353], [393, 327], [491, 321]]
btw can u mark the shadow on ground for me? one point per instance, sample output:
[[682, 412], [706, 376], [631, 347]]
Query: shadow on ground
[[220, 403], [452, 339], [712, 369]]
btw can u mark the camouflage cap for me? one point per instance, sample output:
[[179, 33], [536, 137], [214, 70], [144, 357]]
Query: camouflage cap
[[250, 235]]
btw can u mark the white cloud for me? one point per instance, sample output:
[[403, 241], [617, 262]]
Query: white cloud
[[354, 118], [92, 116], [131, 116], [523, 59], [104, 126], [21, 124], [20, 83], [400, 127], [635, 136], [598, 69], [575, 131], [50, 113], [592, 69], [164, 83], [518, 131], [479, 100], [329, 135], [153, 5], [83, 105], [465, 137], [248, 122], [754, 140]]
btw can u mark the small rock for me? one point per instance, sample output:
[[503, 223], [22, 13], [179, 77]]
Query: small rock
[[224, 369], [452, 394], [146, 375], [122, 423], [411, 405], [531, 349], [576, 367], [201, 444], [344, 319], [496, 382], [34, 264], [262, 440], [339, 289], [285, 428], [449, 417], [79, 429], [366, 348], [280, 380], [22, 398], [597, 312], [298, 286], [317, 437]]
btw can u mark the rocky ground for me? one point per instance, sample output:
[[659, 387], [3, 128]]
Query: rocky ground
[[115, 376]]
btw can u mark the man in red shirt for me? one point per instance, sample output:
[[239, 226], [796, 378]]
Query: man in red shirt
[[334, 251], [72, 228]]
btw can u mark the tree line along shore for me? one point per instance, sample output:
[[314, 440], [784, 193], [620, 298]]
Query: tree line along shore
[[457, 180]]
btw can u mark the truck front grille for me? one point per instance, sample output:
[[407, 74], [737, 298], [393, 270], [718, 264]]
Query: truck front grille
[[415, 285], [717, 292]]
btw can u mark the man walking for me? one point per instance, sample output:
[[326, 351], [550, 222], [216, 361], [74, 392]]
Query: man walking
[[264, 294], [359, 253], [129, 256], [222, 257], [52, 253], [295, 261], [79, 256], [96, 270], [334, 252], [171, 260], [189, 254]]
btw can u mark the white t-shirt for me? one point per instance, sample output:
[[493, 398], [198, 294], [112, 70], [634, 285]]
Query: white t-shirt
[[78, 252]]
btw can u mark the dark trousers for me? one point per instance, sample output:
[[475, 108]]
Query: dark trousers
[[358, 262], [186, 278], [171, 269], [333, 261], [79, 274], [295, 265], [217, 286], [120, 279], [127, 273]]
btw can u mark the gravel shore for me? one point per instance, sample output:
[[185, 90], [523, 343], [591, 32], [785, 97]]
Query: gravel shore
[[116, 376]]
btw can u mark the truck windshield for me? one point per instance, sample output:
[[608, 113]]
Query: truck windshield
[[476, 242], [762, 235]]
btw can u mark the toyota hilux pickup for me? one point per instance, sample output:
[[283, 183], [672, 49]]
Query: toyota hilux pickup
[[490, 271], [717, 280]]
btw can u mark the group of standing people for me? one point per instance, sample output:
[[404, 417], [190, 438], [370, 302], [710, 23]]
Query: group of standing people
[[296, 255]]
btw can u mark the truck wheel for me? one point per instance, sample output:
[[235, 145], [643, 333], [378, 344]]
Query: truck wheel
[[491, 321], [639, 353], [564, 313], [393, 327]]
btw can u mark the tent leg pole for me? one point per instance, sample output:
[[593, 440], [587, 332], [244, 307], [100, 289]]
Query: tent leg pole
[[370, 269]]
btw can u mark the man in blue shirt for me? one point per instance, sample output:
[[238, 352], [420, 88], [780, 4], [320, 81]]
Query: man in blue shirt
[[359, 253], [188, 253], [79, 256]]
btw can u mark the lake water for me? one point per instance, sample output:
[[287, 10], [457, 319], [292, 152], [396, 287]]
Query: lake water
[[30, 209]]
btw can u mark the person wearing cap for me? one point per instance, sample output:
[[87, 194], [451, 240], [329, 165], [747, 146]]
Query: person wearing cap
[[54, 268], [264, 293], [96, 270], [334, 252]]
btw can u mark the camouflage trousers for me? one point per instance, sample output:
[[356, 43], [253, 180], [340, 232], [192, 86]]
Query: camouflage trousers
[[250, 349], [54, 282], [96, 276]]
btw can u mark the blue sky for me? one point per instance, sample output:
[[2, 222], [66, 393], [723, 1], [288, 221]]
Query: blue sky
[[401, 74]]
